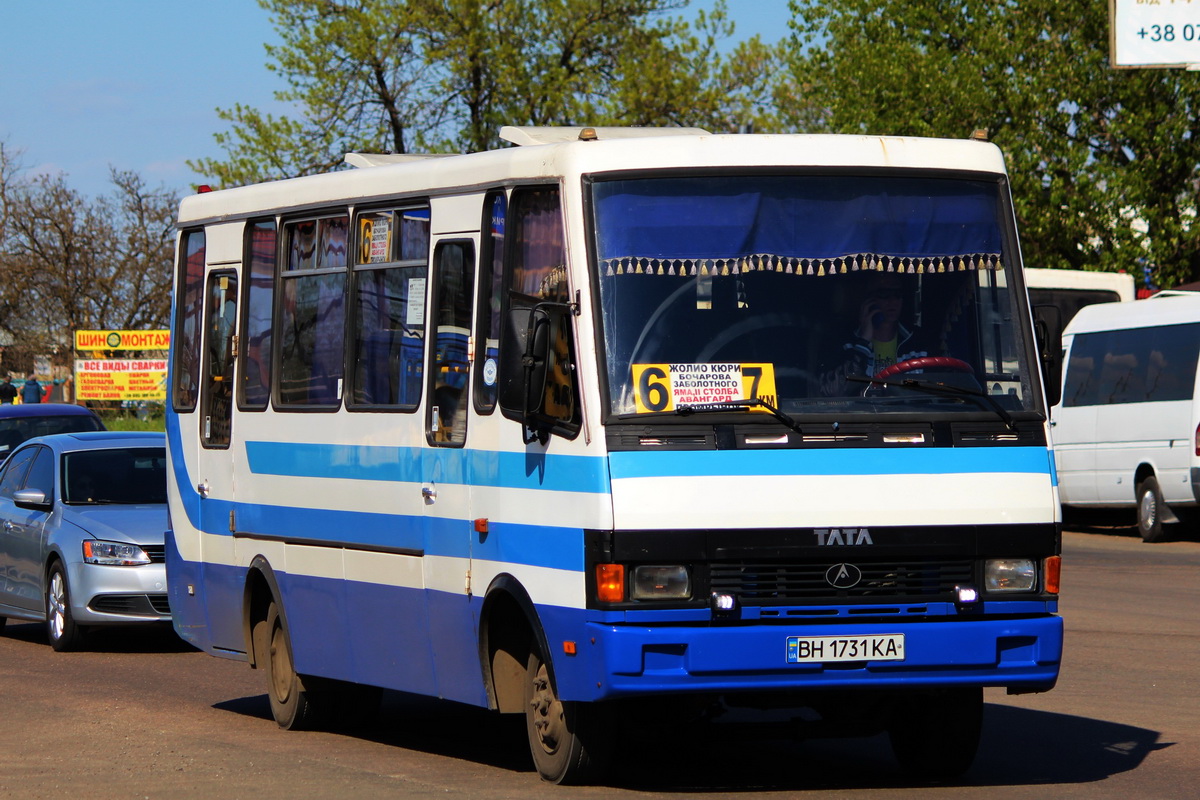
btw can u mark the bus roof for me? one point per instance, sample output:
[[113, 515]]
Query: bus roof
[[629, 151], [1157, 310]]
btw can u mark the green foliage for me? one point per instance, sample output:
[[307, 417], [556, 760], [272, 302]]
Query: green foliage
[[445, 75], [124, 421], [1104, 163]]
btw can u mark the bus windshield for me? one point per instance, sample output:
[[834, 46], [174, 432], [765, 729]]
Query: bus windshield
[[801, 290]]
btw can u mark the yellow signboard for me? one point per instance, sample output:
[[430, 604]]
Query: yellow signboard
[[121, 379], [667, 387], [122, 340]]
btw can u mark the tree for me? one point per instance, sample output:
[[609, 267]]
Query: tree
[[1103, 163], [72, 263], [445, 75]]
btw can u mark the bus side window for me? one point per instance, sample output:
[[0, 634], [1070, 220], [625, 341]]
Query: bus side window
[[389, 308], [536, 277], [186, 372], [254, 354], [491, 277], [453, 280], [312, 296]]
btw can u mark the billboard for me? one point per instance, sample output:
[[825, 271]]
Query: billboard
[[122, 340], [1154, 33], [121, 379]]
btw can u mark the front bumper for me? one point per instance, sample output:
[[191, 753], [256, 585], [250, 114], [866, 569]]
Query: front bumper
[[106, 595], [1020, 653]]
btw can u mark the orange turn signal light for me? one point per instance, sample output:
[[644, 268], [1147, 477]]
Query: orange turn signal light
[[610, 583], [1052, 569]]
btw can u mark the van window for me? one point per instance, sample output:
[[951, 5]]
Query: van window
[[1136, 365]]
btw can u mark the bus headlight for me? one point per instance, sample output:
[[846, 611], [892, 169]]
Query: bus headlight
[[1010, 575], [660, 583]]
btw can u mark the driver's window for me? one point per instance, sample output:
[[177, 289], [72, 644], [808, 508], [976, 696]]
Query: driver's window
[[14, 472], [41, 474]]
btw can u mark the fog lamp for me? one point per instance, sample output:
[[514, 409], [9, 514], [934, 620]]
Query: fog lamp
[[723, 605], [1010, 575], [660, 583]]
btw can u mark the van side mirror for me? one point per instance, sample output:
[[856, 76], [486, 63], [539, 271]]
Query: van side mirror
[[1048, 328]]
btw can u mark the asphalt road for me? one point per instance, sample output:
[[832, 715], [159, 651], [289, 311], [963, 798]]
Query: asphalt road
[[141, 715]]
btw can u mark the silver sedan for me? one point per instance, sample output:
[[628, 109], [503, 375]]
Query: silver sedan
[[82, 521]]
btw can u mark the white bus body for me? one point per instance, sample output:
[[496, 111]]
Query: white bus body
[[1125, 431], [557, 428]]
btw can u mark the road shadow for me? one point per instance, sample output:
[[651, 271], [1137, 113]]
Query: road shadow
[[155, 638], [1122, 523], [1019, 747]]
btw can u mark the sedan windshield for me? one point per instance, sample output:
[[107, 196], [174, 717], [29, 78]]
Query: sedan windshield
[[809, 294], [135, 476]]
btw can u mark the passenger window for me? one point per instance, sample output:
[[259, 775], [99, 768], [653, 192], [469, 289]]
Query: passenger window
[[190, 296], [217, 392], [41, 474], [389, 307], [454, 278], [312, 300], [491, 276], [537, 276], [254, 369], [14, 471]]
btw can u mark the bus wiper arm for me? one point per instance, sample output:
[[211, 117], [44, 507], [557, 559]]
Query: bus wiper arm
[[738, 405], [984, 399]]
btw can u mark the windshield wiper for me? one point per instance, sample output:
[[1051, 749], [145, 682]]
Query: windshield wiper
[[738, 405], [984, 399]]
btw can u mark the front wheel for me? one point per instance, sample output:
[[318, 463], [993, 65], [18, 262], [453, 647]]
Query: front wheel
[[571, 742], [292, 704], [61, 629], [935, 734], [1149, 510]]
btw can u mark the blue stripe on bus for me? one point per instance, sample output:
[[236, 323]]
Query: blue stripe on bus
[[505, 470], [849, 461]]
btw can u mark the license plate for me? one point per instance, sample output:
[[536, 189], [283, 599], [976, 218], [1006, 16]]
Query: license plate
[[825, 649]]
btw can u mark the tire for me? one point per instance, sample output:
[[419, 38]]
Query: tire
[[571, 742], [935, 735], [61, 630], [1150, 508], [2, 621], [294, 707]]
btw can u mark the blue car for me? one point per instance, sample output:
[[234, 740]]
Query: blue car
[[19, 423], [82, 522]]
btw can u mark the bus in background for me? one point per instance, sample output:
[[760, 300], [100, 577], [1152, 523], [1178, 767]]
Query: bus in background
[[598, 423], [1069, 290]]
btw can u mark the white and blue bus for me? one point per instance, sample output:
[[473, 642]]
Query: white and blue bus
[[617, 416]]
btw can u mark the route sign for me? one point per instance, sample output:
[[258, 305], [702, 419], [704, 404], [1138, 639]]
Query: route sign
[[1154, 33]]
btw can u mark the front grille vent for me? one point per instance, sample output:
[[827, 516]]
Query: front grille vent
[[135, 605], [775, 583], [156, 552]]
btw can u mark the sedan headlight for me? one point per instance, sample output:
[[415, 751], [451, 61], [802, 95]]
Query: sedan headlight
[[660, 583], [115, 554], [1010, 575]]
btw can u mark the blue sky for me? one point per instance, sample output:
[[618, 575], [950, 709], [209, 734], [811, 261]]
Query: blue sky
[[85, 84]]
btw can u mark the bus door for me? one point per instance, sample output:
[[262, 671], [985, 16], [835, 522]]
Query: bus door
[[445, 465], [214, 416]]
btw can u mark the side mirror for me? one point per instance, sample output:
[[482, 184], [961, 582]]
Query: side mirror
[[1048, 328], [33, 499], [527, 354]]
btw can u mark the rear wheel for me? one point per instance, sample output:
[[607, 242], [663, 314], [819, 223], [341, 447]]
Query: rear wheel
[[293, 705], [61, 629], [1150, 510], [935, 734], [571, 742]]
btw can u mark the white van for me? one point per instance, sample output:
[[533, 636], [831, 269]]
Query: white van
[[1126, 429], [1071, 289]]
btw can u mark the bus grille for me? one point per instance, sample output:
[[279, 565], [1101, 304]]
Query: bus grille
[[771, 583]]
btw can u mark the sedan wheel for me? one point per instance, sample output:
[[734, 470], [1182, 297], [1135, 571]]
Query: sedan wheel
[[64, 634]]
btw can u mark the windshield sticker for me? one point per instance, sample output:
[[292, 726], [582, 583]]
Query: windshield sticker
[[668, 387]]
